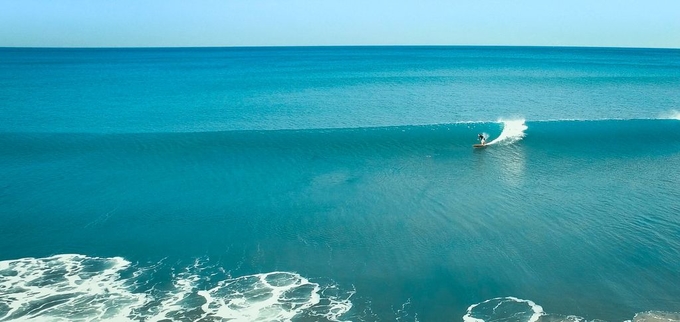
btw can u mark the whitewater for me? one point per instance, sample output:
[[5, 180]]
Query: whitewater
[[513, 131]]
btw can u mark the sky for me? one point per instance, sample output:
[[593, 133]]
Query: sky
[[195, 23]]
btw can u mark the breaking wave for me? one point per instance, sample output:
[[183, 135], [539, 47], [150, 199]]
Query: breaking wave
[[671, 115], [513, 131]]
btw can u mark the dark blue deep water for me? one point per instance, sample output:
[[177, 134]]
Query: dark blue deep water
[[340, 184]]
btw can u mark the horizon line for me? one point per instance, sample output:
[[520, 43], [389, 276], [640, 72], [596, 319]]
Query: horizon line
[[332, 46]]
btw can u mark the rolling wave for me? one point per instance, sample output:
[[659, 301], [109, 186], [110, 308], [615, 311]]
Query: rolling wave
[[668, 115], [407, 139]]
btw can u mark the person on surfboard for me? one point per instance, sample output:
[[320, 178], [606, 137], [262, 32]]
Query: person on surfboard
[[482, 139]]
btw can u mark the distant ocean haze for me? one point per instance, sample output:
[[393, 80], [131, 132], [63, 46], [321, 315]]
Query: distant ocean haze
[[218, 89]]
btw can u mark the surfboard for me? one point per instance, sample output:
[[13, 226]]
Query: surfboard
[[480, 145]]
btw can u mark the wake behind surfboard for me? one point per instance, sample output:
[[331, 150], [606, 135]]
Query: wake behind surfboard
[[513, 131]]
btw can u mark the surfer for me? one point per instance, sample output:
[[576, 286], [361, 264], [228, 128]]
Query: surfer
[[482, 140]]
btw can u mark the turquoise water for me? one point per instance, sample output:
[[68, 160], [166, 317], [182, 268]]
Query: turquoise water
[[326, 184]]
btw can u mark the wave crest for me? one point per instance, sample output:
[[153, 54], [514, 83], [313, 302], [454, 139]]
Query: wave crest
[[671, 115], [513, 131]]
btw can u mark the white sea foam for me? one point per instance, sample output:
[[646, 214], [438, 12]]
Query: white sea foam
[[515, 309], [489, 310], [671, 115], [275, 296], [82, 288], [66, 288], [657, 316], [513, 131]]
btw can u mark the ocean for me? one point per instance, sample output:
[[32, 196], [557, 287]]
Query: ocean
[[340, 184]]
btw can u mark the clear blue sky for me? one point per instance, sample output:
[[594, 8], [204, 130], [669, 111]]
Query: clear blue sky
[[133, 23]]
